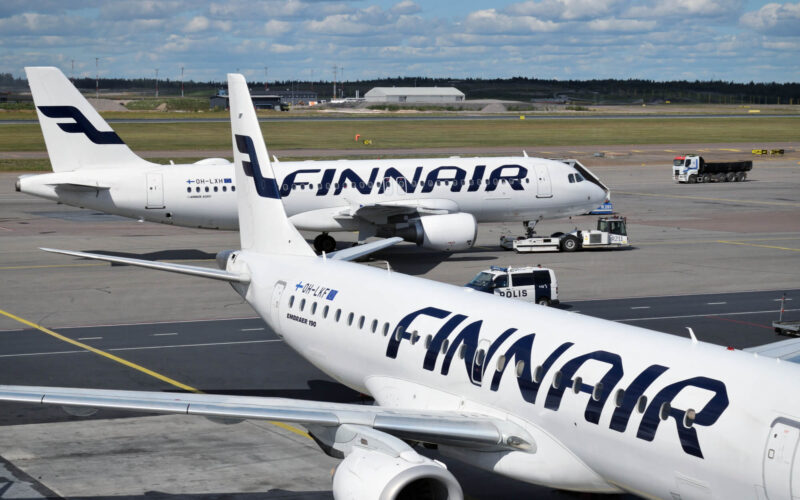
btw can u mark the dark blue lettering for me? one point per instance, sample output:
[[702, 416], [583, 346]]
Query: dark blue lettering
[[497, 176], [433, 177], [619, 420], [400, 179], [325, 183], [401, 332], [289, 180], [705, 417], [610, 379], [477, 178], [358, 182], [436, 344]]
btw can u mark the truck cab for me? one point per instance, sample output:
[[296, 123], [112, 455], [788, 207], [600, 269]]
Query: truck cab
[[531, 284], [684, 167]]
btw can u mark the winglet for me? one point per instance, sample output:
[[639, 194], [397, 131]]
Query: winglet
[[263, 225]]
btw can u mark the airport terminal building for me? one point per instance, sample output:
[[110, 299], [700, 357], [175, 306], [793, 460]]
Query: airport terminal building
[[425, 95]]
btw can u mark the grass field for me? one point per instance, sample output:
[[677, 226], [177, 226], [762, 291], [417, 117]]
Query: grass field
[[414, 134]]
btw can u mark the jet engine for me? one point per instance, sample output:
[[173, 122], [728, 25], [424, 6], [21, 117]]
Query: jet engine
[[447, 232], [368, 474]]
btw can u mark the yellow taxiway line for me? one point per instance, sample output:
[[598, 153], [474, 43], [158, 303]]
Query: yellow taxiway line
[[130, 364], [759, 246]]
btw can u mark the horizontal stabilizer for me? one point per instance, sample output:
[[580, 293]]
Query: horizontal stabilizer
[[203, 272], [355, 252]]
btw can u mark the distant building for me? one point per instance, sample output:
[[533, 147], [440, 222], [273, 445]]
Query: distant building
[[270, 99], [424, 95]]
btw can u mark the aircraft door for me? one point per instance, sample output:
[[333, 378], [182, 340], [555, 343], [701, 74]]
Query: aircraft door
[[277, 293], [779, 457], [543, 187], [155, 191]]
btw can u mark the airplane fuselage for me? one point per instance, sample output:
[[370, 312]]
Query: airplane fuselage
[[324, 195], [688, 420]]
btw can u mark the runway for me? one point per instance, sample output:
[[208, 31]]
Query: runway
[[714, 258]]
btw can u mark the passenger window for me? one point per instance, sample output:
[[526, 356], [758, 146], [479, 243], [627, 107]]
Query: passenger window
[[216, 189], [462, 351], [619, 398], [361, 322], [188, 190], [291, 301], [224, 189], [350, 318], [374, 325], [445, 345], [641, 404], [302, 304], [325, 311], [576, 385], [557, 380], [233, 188], [480, 357], [538, 373], [206, 189], [597, 393], [338, 315], [428, 341], [313, 308], [688, 418], [385, 329], [501, 363], [398, 333], [663, 412], [520, 368], [197, 189]]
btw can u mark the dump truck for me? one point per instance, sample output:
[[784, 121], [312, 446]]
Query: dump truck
[[693, 169]]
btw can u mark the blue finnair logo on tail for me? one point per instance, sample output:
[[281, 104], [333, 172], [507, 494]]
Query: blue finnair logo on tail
[[81, 126], [266, 188]]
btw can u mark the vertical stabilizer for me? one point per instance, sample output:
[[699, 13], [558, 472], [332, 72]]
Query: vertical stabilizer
[[76, 135], [263, 225]]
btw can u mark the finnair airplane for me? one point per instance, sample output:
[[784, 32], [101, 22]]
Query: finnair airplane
[[434, 202], [525, 391]]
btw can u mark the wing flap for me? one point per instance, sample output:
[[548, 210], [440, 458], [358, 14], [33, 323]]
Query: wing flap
[[441, 427], [203, 272], [786, 350]]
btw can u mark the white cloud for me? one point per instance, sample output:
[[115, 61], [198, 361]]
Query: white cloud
[[491, 21], [275, 28], [406, 7], [774, 19], [621, 25], [196, 24]]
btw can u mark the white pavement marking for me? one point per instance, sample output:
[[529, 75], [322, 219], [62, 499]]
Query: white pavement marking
[[143, 348], [252, 329], [641, 307], [164, 334], [90, 338], [703, 315], [715, 303]]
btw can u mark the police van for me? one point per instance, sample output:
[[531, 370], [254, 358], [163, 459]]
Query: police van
[[532, 284]]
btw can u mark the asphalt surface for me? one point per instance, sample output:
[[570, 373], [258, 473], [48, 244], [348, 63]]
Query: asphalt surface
[[714, 258]]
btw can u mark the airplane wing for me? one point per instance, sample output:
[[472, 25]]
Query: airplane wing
[[203, 272], [786, 350], [355, 252], [465, 429], [378, 213]]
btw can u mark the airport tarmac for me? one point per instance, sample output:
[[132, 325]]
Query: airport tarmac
[[724, 240]]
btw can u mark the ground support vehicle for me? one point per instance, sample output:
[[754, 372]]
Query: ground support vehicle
[[611, 232], [532, 284], [790, 327], [693, 169]]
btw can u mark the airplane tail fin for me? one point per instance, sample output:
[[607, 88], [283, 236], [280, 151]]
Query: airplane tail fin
[[76, 136], [263, 224]]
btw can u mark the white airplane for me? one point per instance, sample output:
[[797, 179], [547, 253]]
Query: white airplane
[[528, 392], [434, 202]]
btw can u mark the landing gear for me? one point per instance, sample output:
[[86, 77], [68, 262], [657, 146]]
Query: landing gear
[[324, 243]]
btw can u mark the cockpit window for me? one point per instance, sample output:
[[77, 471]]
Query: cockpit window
[[571, 178], [579, 178]]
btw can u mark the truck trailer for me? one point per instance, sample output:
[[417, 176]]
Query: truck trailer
[[694, 169]]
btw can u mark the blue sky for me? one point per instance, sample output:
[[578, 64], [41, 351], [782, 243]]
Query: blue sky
[[732, 40]]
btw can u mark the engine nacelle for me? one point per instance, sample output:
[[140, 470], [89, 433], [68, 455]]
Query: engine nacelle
[[368, 474], [447, 232]]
